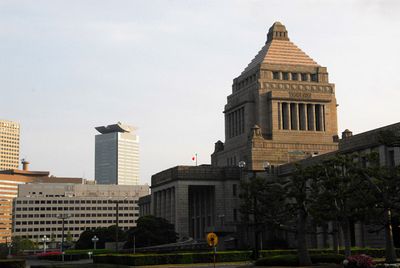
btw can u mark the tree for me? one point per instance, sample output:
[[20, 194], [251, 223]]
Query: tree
[[105, 234], [261, 205], [151, 231], [385, 184], [280, 204], [339, 189], [20, 244]]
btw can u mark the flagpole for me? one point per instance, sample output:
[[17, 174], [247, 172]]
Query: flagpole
[[196, 159]]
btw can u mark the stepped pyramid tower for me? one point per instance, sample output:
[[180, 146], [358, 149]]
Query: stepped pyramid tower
[[282, 108]]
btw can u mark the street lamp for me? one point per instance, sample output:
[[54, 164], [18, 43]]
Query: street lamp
[[95, 239], [9, 245], [63, 217], [117, 202], [45, 239]]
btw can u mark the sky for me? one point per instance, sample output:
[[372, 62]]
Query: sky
[[167, 67]]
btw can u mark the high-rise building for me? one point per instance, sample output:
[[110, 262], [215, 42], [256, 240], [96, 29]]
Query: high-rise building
[[282, 108], [117, 155], [9, 145]]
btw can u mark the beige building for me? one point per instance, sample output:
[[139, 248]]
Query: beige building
[[9, 144], [9, 181], [37, 208], [282, 108]]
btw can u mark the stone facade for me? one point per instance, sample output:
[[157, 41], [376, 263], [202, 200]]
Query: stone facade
[[282, 108], [196, 199]]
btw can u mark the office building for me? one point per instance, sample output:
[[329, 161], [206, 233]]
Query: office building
[[9, 144], [9, 182], [37, 209], [117, 155]]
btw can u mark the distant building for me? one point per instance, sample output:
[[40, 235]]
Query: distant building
[[117, 155], [88, 206], [9, 181], [9, 145]]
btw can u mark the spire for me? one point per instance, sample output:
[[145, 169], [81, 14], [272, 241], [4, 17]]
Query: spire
[[277, 32]]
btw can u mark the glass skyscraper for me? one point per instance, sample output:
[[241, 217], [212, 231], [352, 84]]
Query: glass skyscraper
[[117, 155]]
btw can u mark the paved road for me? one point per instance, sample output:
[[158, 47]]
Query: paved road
[[89, 264]]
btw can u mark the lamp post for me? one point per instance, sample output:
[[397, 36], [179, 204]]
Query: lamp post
[[95, 239], [45, 239], [63, 217], [9, 245], [117, 202]]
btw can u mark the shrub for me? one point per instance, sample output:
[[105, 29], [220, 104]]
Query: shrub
[[327, 258], [279, 260], [12, 263], [359, 261], [175, 258], [292, 259]]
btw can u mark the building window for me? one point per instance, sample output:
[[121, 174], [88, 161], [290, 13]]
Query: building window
[[295, 76], [314, 77], [235, 214], [275, 75], [304, 77], [234, 189], [391, 162], [285, 76]]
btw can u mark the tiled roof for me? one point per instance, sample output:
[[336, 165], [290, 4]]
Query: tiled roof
[[279, 50]]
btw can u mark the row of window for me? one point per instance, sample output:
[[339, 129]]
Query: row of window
[[235, 122], [301, 116], [73, 201], [70, 228], [248, 80], [306, 77], [24, 216], [72, 208], [73, 228]]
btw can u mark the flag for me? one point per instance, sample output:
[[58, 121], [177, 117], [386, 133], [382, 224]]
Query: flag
[[194, 158]]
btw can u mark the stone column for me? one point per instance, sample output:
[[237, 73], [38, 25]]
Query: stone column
[[182, 211], [285, 116], [311, 117], [294, 116]]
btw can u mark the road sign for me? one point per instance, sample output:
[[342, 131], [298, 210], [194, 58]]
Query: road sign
[[212, 239]]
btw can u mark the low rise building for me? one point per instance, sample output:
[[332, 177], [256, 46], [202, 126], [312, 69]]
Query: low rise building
[[38, 208], [9, 181]]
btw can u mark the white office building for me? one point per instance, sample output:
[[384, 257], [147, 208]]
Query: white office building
[[39, 208], [117, 155]]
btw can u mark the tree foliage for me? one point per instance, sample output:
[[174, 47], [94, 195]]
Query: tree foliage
[[151, 231], [104, 234]]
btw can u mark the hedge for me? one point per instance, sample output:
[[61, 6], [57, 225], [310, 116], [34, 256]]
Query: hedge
[[292, 260], [177, 258], [12, 263], [373, 252]]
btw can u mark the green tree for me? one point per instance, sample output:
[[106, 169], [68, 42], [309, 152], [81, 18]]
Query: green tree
[[339, 189], [281, 204], [105, 234], [20, 244], [151, 231], [385, 184]]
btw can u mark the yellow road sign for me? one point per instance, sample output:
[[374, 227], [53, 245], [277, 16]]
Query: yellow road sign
[[212, 239]]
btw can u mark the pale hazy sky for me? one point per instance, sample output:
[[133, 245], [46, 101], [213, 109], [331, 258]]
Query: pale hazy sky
[[167, 67]]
